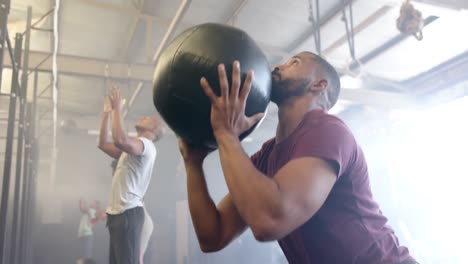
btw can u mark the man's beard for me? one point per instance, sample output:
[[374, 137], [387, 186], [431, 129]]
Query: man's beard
[[281, 90]]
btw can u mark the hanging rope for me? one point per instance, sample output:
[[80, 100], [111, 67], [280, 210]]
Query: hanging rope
[[354, 66], [314, 19], [349, 26], [410, 21]]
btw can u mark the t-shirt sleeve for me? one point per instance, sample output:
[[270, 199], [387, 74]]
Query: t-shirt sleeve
[[330, 140], [147, 145], [255, 157], [258, 158]]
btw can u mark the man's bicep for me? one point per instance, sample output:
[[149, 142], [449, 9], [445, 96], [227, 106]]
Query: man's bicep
[[111, 150], [133, 146], [305, 184], [232, 224]]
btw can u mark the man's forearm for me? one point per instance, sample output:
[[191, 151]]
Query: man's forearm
[[118, 134], [104, 130], [256, 196], [203, 210]]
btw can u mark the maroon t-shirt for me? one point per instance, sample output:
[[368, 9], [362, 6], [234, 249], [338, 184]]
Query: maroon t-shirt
[[349, 227]]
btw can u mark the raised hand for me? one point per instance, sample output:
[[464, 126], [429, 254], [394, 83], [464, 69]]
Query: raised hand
[[107, 105], [192, 153], [115, 99], [228, 110]]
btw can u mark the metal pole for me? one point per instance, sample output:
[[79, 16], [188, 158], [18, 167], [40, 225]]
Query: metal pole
[[25, 214], [9, 146], [25, 182], [4, 10], [19, 149], [31, 203], [40, 19], [27, 211], [34, 99], [175, 21]]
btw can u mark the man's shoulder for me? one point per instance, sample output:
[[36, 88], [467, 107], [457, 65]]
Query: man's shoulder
[[323, 121], [320, 117], [149, 147]]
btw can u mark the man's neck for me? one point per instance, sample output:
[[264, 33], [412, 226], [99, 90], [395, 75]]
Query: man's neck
[[291, 113], [144, 133], [141, 133]]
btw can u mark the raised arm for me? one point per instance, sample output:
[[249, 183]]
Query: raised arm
[[83, 207], [271, 207], [107, 147], [274, 207], [121, 140], [215, 226]]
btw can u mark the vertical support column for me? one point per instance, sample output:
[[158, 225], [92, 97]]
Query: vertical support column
[[9, 146], [28, 171], [29, 184], [24, 185], [4, 11], [21, 135]]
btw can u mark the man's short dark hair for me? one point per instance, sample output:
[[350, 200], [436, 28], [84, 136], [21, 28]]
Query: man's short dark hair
[[327, 71]]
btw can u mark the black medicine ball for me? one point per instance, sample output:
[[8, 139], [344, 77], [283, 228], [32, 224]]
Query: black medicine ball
[[196, 52]]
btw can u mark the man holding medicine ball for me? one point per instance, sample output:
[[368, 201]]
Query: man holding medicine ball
[[308, 187]]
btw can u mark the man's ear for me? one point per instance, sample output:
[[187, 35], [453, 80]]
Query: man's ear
[[319, 86]]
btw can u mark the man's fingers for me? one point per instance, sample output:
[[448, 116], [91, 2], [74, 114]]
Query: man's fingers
[[223, 82], [246, 87], [236, 79], [255, 118], [207, 89]]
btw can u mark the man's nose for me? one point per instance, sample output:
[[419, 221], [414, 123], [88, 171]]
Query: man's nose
[[279, 67]]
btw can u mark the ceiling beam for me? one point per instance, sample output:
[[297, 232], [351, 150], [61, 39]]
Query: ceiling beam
[[124, 11], [233, 17], [170, 30], [125, 54], [73, 65], [441, 77], [387, 45], [81, 66], [166, 22], [310, 31], [363, 25]]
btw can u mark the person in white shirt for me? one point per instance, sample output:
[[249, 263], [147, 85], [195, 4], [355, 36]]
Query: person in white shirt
[[136, 156], [85, 231]]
